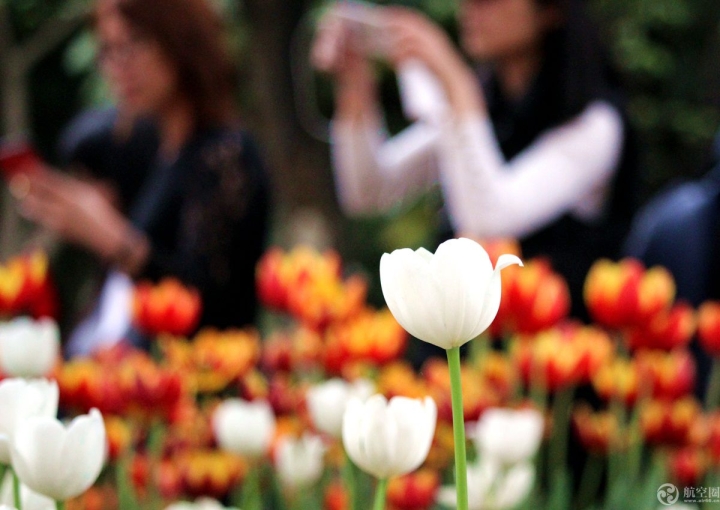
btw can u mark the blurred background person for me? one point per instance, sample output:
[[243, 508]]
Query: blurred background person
[[679, 229], [533, 143], [184, 192]]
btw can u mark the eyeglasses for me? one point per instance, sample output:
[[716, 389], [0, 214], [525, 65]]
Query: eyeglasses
[[120, 54]]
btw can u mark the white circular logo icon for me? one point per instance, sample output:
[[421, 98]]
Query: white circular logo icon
[[668, 494]]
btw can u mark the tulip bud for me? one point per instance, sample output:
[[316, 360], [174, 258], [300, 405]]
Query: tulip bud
[[60, 461], [244, 428], [509, 436], [29, 348], [327, 402], [299, 462], [447, 298], [389, 438]]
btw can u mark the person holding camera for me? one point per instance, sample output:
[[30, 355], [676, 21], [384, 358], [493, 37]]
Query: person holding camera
[[530, 141]]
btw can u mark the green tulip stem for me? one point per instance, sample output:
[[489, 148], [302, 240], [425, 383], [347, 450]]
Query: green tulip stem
[[350, 481], [712, 397], [380, 494], [461, 482], [60, 505], [16, 491]]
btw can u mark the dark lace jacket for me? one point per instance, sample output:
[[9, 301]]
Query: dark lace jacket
[[205, 213]]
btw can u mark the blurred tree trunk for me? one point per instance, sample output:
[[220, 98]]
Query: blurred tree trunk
[[299, 164], [17, 59]]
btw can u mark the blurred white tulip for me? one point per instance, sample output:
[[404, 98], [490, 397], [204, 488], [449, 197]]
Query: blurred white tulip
[[389, 438], [21, 399], [491, 487], [29, 348], [60, 461], [198, 504], [299, 462], [327, 401], [448, 298], [508, 436], [30, 500], [244, 428]]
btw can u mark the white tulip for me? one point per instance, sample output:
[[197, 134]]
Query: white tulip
[[327, 401], [299, 462], [199, 504], [389, 438], [30, 500], [448, 298], [60, 461], [244, 428], [6, 507], [492, 488], [19, 400], [29, 348], [507, 436]]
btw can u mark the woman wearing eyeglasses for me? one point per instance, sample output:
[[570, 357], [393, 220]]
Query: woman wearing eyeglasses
[[194, 203], [532, 144]]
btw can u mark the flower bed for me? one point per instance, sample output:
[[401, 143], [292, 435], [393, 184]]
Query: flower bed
[[323, 411]]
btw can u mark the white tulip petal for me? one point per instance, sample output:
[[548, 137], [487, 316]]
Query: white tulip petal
[[37, 456], [351, 435], [411, 291], [464, 268], [85, 443], [378, 433], [515, 486]]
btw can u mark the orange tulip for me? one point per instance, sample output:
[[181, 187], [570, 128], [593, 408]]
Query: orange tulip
[[669, 423], [709, 327], [168, 307], [671, 375], [414, 491], [534, 298], [667, 330], [148, 389], [563, 356], [308, 285], [371, 337], [399, 379], [209, 472], [624, 294], [598, 432], [618, 381]]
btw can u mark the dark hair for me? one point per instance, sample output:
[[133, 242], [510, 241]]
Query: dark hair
[[190, 33]]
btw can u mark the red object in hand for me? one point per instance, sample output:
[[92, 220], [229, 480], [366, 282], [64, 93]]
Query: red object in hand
[[18, 156]]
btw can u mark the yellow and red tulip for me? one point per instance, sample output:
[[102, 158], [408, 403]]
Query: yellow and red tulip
[[623, 294]]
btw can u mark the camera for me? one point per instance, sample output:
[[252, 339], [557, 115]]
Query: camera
[[421, 93]]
